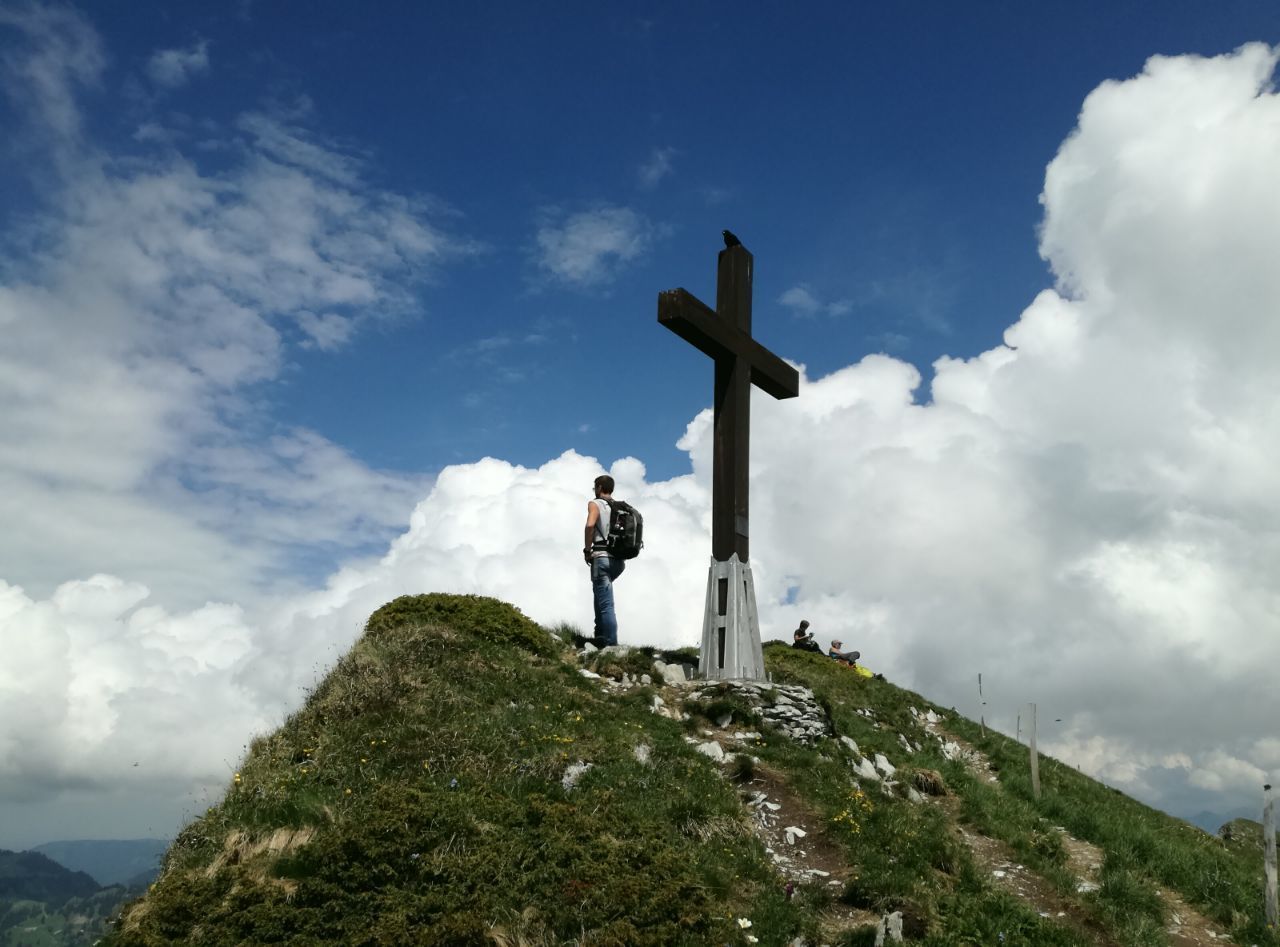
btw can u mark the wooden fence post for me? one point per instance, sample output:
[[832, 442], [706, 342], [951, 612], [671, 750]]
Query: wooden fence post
[[1269, 848], [1035, 757], [982, 712]]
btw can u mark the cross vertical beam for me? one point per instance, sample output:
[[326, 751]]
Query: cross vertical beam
[[731, 628], [730, 513]]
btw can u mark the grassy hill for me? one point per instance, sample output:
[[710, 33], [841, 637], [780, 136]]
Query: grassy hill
[[464, 776]]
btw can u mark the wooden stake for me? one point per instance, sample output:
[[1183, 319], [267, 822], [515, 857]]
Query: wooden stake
[[1269, 848], [1035, 757], [982, 714]]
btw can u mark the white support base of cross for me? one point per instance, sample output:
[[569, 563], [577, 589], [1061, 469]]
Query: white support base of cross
[[730, 625]]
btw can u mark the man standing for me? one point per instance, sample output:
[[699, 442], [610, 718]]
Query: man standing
[[604, 568]]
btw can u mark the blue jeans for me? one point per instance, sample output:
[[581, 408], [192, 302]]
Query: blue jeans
[[603, 571]]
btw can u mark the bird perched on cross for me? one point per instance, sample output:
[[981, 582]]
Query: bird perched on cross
[[730, 240]]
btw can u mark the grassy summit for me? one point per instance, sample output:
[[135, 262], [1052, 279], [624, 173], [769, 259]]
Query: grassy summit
[[433, 790]]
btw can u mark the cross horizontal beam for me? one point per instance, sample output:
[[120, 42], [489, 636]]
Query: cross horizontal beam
[[696, 323]]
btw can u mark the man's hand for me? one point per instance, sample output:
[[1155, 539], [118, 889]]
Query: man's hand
[[586, 555]]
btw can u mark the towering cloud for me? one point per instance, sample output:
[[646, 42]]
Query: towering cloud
[[1083, 513]]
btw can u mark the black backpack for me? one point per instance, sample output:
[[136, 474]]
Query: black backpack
[[626, 530]]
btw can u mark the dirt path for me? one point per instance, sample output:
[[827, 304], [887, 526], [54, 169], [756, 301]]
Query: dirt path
[[1186, 926]]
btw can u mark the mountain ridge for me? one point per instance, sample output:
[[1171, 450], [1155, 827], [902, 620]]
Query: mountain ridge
[[464, 776]]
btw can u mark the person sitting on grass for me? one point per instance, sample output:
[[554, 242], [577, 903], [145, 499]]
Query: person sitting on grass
[[844, 657], [803, 641]]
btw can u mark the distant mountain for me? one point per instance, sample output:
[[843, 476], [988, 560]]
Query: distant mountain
[[1212, 821], [133, 862], [31, 876]]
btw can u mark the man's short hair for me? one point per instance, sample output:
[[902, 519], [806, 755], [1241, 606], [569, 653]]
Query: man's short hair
[[604, 483], [803, 623]]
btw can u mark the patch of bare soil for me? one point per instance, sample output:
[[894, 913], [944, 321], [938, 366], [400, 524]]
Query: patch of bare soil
[[797, 841], [998, 861], [1187, 927]]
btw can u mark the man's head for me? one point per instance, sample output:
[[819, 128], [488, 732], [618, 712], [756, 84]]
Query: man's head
[[836, 643], [604, 486]]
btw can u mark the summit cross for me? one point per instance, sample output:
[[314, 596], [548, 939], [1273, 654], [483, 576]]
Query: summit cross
[[731, 630]]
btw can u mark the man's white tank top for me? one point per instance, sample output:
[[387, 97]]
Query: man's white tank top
[[602, 527]]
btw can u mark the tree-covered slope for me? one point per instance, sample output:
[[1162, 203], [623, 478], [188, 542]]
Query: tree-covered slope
[[31, 876]]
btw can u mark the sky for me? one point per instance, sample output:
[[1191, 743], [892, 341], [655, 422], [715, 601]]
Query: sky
[[307, 306]]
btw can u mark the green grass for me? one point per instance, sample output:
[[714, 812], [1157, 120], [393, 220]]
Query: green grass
[[1144, 847], [429, 766], [425, 775]]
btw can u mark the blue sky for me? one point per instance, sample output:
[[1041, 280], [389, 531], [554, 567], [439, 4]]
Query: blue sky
[[305, 306], [888, 157]]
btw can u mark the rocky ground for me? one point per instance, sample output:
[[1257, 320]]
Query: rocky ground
[[796, 839]]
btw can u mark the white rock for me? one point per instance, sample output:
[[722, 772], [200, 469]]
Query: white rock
[[772, 806], [573, 774], [905, 744], [1085, 887], [913, 796], [746, 735], [725, 720], [851, 745], [794, 832], [712, 749], [889, 929], [589, 674], [866, 770], [641, 751], [884, 765], [645, 679], [999, 874], [658, 702], [671, 673], [589, 648], [932, 717]]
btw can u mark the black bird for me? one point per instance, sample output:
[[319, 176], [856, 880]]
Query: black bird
[[730, 240]]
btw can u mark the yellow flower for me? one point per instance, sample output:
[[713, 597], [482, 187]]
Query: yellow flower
[[348, 792]]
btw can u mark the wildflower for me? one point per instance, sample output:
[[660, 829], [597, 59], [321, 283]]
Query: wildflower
[[363, 760], [744, 923], [752, 939], [348, 792]]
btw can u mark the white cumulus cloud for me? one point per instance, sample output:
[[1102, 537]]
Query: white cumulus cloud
[[172, 68], [1083, 513], [586, 249]]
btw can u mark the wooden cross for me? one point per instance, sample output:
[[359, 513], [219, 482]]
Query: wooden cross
[[741, 361]]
